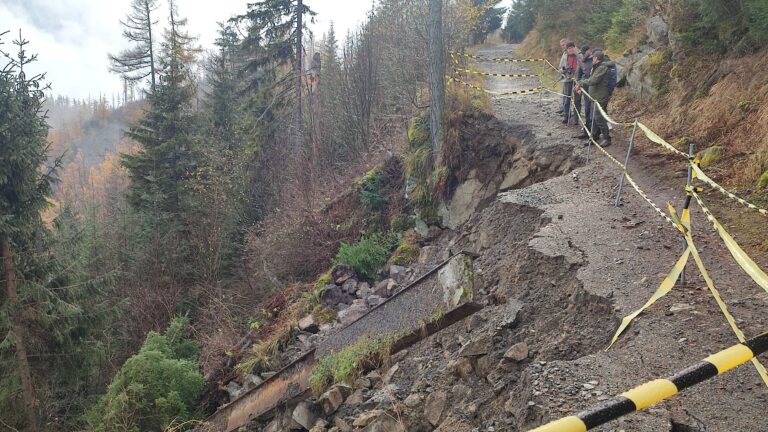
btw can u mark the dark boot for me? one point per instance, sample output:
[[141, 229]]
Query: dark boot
[[606, 142]]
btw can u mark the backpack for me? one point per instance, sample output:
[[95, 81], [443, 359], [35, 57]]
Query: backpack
[[613, 76]]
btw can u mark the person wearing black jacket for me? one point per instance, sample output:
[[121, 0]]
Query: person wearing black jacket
[[585, 69]]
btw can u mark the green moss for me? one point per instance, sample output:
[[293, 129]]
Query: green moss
[[407, 252], [418, 132], [763, 182], [323, 314], [710, 155], [348, 364], [658, 67]]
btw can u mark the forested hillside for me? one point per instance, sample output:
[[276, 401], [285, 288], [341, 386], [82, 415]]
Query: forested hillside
[[221, 179]]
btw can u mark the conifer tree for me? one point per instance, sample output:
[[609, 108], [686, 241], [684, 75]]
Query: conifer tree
[[137, 63]]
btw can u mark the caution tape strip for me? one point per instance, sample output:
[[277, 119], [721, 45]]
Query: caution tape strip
[[741, 257], [496, 59], [502, 75], [699, 174], [651, 135], [602, 110], [472, 86], [655, 391]]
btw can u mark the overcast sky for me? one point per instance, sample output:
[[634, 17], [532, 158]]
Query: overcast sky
[[73, 37]]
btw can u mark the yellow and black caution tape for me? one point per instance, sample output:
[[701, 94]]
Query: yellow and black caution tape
[[602, 111], [741, 257], [502, 75], [475, 87], [656, 391], [699, 174], [697, 171], [497, 59]]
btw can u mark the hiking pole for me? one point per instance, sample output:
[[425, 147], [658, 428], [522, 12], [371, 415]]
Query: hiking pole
[[656, 391], [626, 164], [691, 149]]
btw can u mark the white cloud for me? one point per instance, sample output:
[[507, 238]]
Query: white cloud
[[73, 37]]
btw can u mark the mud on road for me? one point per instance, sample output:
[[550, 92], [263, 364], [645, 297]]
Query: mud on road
[[617, 256]]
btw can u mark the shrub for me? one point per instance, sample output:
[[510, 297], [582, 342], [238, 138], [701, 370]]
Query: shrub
[[402, 223], [373, 190], [367, 256], [156, 388], [624, 20]]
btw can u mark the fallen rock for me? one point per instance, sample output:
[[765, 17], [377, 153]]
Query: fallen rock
[[342, 425], [387, 378], [454, 425], [364, 290], [680, 307], [332, 295], [456, 280], [233, 390], [414, 400], [251, 381], [477, 346], [350, 286], [518, 352], [366, 418], [434, 407], [384, 423], [319, 426], [398, 273], [374, 300], [658, 31], [356, 399], [461, 367], [341, 273], [305, 414], [352, 313], [309, 324], [331, 400]]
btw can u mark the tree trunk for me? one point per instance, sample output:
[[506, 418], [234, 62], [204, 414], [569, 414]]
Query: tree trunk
[[299, 73], [436, 78], [28, 390], [151, 47]]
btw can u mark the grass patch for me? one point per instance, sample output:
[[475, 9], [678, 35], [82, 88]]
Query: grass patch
[[367, 256], [323, 314], [348, 364]]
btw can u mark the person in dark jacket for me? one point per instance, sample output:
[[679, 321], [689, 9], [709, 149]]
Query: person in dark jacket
[[599, 89], [585, 69]]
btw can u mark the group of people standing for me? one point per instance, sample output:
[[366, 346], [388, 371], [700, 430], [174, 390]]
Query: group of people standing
[[590, 70]]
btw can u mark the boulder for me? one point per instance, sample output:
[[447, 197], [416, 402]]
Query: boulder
[[434, 407], [461, 368], [355, 399], [710, 155], [309, 324], [398, 273], [350, 286], [342, 425], [367, 418], [414, 400], [364, 290], [331, 400], [251, 381], [518, 352], [305, 414], [233, 390], [478, 346], [332, 295], [374, 301], [341, 273], [385, 288], [456, 279], [658, 31], [320, 426], [352, 313], [384, 423]]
